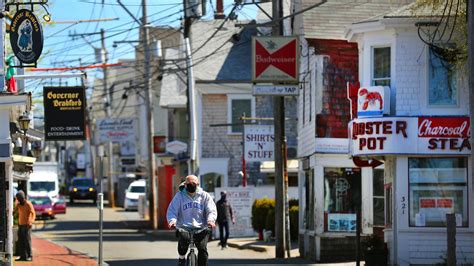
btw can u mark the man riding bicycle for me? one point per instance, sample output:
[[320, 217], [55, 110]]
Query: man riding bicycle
[[192, 208]]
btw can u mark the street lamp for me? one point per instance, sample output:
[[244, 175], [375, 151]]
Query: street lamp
[[24, 122]]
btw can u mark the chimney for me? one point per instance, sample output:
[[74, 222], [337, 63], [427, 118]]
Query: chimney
[[219, 10]]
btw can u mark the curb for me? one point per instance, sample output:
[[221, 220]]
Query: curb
[[247, 246]]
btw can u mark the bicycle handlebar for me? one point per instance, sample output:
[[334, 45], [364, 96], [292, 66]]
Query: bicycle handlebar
[[192, 230]]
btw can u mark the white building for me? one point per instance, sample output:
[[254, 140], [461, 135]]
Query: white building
[[332, 186], [426, 149]]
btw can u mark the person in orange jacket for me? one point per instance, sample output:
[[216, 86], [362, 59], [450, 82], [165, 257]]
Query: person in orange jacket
[[26, 218]]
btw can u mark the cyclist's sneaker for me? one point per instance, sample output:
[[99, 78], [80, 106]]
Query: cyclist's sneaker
[[182, 262]]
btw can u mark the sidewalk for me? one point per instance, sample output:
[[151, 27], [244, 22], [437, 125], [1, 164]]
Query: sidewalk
[[261, 246], [258, 245], [50, 254]]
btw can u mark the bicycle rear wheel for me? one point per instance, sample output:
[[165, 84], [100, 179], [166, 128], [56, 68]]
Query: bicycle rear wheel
[[192, 259]]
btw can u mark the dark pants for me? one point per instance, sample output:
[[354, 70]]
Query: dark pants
[[223, 238], [24, 242], [200, 240]]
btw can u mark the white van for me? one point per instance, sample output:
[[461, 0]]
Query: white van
[[44, 178]]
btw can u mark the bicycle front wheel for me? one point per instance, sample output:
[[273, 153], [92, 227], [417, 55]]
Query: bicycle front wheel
[[192, 259]]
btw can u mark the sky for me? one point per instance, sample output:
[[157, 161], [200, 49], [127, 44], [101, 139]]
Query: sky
[[61, 49]]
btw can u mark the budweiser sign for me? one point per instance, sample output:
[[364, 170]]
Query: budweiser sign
[[275, 59], [443, 127]]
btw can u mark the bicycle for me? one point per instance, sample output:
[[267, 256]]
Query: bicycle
[[191, 259]]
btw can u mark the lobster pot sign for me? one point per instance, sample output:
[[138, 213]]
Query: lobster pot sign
[[373, 101], [26, 36]]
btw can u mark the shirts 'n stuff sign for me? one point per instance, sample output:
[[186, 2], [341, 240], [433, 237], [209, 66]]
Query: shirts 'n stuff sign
[[116, 130], [410, 135], [64, 113], [259, 143], [275, 59], [241, 200], [373, 101], [26, 36], [341, 222]]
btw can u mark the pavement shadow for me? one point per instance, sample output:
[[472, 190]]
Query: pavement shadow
[[213, 262]]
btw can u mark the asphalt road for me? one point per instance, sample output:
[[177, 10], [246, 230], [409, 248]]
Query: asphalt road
[[126, 242]]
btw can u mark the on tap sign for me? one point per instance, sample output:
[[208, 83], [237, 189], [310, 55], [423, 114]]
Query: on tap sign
[[259, 143], [410, 135]]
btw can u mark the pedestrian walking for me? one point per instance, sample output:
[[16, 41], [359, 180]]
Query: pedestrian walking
[[224, 216], [26, 217]]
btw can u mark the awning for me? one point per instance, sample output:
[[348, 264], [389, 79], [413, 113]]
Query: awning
[[23, 164], [269, 167]]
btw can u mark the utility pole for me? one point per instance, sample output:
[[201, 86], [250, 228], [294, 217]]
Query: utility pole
[[108, 111], [279, 123], [153, 189], [470, 58], [194, 156]]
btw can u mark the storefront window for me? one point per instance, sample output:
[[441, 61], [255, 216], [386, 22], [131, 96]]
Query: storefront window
[[342, 198], [379, 201], [437, 186]]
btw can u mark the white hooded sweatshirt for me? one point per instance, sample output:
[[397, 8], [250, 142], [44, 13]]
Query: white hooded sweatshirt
[[192, 212]]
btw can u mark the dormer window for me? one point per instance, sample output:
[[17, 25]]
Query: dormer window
[[381, 66], [442, 90]]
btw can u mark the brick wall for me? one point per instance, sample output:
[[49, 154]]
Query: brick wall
[[339, 67]]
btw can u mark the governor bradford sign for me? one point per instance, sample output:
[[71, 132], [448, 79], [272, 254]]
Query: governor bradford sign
[[275, 59], [410, 135], [64, 113]]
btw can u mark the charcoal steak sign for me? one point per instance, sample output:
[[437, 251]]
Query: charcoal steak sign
[[64, 113], [275, 59], [26, 36]]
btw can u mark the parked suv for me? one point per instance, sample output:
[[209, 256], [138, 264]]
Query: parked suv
[[82, 188], [135, 189]]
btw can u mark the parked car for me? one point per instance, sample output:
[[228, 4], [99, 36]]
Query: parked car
[[59, 205], [43, 206], [134, 190], [82, 188]]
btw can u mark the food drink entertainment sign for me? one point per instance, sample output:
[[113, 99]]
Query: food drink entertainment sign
[[259, 143], [26, 36], [410, 135], [64, 113], [275, 59]]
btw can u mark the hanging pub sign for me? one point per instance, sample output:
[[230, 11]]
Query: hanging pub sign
[[64, 113], [26, 36]]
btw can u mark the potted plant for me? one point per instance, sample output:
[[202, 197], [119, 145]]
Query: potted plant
[[260, 209], [375, 251]]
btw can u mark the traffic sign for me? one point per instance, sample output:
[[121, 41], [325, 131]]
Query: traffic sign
[[275, 59], [276, 90]]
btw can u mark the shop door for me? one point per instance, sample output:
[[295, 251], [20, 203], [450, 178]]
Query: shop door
[[342, 198]]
